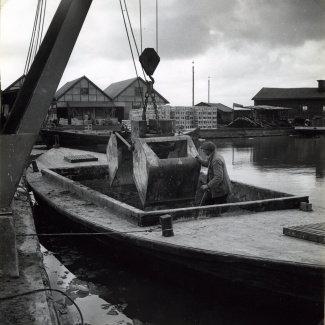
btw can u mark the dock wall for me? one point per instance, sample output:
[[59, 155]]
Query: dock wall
[[33, 305], [225, 132]]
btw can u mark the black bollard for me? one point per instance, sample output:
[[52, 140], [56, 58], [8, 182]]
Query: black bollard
[[166, 222], [56, 142], [35, 167]]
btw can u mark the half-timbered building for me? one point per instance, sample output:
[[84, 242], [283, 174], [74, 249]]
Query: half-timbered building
[[81, 99], [130, 94]]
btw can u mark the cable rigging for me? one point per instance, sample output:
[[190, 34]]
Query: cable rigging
[[37, 34], [127, 33], [157, 26], [149, 60], [140, 23]]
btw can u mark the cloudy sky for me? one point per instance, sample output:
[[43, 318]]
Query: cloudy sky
[[242, 45]]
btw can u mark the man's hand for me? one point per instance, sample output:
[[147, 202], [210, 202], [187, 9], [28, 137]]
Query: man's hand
[[204, 187]]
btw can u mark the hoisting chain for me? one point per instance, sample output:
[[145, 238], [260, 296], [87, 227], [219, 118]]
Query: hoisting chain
[[144, 110], [153, 98], [150, 93]]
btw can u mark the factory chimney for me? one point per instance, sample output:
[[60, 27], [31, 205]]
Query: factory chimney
[[321, 86]]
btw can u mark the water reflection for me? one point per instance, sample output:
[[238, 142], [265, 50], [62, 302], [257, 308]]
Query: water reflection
[[272, 152], [290, 164], [90, 297]]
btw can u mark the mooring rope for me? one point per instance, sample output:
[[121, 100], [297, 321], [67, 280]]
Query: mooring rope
[[91, 233]]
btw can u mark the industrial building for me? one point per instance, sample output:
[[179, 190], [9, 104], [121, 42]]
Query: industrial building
[[130, 94], [306, 102]]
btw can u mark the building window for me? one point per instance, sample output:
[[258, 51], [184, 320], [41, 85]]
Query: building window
[[136, 105], [304, 108], [83, 91], [138, 91]]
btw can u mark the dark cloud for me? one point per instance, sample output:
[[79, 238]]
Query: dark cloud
[[227, 39], [187, 28], [289, 22]]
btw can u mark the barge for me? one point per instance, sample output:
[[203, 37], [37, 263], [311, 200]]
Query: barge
[[92, 139], [242, 241], [310, 131]]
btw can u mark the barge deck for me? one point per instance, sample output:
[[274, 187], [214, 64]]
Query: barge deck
[[239, 245]]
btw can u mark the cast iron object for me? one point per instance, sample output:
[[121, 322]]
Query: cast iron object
[[149, 60]]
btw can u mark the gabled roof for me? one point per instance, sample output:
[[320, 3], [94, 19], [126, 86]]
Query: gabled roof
[[59, 93], [268, 108], [116, 88], [220, 107], [20, 81], [288, 93]]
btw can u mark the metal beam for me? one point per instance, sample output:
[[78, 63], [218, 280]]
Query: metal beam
[[43, 78], [37, 92], [14, 148]]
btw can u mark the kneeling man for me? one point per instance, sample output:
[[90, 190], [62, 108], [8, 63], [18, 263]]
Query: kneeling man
[[218, 185]]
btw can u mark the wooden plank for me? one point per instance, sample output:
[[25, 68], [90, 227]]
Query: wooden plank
[[312, 232], [80, 158], [123, 140], [316, 226]]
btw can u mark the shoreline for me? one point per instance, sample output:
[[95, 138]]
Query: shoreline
[[226, 132], [34, 304]]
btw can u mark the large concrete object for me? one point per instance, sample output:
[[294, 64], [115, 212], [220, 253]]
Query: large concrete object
[[119, 150], [120, 161], [161, 166], [165, 169]]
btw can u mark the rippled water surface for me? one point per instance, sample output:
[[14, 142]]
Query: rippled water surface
[[293, 165], [112, 287]]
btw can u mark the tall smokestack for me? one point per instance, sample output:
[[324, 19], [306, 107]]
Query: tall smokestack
[[321, 86], [192, 83]]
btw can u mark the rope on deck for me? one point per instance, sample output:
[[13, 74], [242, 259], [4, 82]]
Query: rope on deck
[[92, 233]]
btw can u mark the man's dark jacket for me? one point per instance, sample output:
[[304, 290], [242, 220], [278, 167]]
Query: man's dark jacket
[[217, 178]]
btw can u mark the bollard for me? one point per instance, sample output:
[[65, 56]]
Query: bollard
[[56, 141], [35, 167], [304, 206], [167, 225]]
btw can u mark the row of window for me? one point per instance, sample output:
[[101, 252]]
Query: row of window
[[193, 113], [305, 108]]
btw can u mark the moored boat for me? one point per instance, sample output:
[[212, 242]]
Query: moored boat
[[310, 131], [242, 241], [92, 139]]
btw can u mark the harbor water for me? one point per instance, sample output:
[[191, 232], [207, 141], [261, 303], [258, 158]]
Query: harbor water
[[293, 165], [112, 287]]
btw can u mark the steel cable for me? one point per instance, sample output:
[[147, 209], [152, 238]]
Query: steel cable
[[40, 290]]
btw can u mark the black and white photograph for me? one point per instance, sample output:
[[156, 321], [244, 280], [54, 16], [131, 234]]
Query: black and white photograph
[[162, 162]]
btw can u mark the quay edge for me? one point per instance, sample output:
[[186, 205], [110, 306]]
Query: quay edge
[[35, 308]]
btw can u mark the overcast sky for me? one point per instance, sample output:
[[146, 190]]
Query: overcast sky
[[242, 45]]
